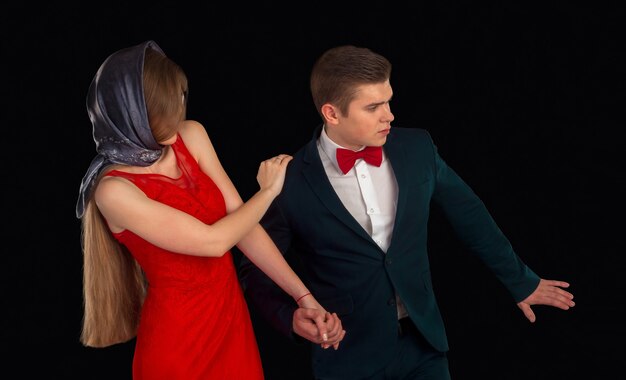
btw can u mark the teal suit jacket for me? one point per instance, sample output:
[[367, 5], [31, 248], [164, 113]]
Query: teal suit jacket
[[347, 271]]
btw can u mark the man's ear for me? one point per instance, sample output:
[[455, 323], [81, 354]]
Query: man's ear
[[331, 114]]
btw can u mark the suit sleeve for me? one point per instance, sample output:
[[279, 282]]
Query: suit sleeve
[[267, 298], [476, 228]]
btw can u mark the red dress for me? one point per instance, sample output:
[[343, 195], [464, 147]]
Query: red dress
[[194, 322]]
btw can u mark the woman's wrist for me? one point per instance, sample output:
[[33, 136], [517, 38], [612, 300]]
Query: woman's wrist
[[307, 294]]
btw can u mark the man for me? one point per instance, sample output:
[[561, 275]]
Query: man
[[360, 231]]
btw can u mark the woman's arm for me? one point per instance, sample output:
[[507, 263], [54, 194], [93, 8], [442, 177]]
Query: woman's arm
[[256, 244], [126, 207]]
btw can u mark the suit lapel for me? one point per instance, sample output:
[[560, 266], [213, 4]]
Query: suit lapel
[[397, 158], [318, 181]]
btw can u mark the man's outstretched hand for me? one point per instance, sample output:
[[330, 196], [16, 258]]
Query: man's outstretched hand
[[550, 293]]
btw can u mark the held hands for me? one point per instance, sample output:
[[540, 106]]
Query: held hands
[[549, 292], [271, 174], [315, 324]]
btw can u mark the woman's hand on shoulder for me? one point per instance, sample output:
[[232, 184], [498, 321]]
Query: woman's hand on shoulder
[[271, 174]]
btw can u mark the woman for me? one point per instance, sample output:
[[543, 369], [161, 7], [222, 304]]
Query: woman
[[159, 217]]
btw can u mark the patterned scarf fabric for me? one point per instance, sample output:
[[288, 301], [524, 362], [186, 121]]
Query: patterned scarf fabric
[[117, 110]]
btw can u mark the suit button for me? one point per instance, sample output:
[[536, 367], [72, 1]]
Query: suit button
[[388, 261], [391, 302]]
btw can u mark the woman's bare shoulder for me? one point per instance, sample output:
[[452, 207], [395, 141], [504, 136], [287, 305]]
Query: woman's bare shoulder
[[192, 130], [195, 137]]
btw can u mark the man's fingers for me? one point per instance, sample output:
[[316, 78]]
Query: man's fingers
[[321, 326], [333, 324], [336, 345], [320, 322], [560, 284], [528, 312], [330, 320]]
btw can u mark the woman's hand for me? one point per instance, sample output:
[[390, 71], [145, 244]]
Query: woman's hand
[[312, 322], [271, 174]]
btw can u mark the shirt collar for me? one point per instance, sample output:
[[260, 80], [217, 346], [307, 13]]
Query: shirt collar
[[330, 147]]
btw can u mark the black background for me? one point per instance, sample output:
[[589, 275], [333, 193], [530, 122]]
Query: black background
[[524, 101]]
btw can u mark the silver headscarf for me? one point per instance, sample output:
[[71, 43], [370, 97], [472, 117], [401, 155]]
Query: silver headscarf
[[117, 110]]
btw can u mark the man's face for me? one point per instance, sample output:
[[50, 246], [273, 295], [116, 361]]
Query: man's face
[[368, 119]]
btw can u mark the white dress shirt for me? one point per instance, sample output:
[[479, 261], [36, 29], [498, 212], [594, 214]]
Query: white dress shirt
[[368, 192]]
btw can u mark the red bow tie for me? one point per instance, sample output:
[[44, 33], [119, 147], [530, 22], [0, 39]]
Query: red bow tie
[[372, 155]]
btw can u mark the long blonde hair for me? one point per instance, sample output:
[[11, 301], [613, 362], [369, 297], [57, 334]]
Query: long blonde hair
[[114, 286]]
